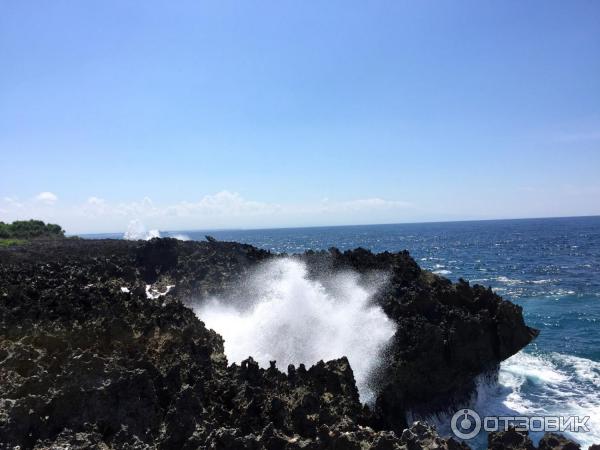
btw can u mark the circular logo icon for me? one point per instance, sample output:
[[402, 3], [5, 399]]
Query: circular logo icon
[[466, 424]]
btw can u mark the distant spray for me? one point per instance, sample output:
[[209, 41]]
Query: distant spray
[[180, 236], [137, 231], [293, 319]]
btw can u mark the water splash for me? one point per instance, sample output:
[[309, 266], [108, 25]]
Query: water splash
[[292, 319], [137, 231]]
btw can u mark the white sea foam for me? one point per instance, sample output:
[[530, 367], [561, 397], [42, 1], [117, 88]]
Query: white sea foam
[[543, 281], [565, 385], [584, 368], [508, 281], [478, 280], [153, 293], [292, 319], [539, 385]]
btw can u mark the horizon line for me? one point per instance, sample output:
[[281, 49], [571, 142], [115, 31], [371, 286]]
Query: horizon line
[[347, 225]]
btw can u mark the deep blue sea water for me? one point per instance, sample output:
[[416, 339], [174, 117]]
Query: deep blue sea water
[[551, 267]]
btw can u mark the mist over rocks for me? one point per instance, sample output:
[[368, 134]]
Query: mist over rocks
[[85, 363]]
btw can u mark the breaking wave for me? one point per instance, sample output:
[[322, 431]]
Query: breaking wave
[[529, 384], [291, 318]]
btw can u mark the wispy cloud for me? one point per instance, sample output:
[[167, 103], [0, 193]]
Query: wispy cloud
[[222, 209], [46, 197], [224, 203], [232, 204], [13, 202]]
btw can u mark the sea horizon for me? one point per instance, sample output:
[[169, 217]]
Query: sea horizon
[[208, 230]]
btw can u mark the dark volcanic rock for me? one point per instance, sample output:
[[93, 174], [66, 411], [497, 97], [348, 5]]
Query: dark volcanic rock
[[512, 439], [447, 333], [86, 363]]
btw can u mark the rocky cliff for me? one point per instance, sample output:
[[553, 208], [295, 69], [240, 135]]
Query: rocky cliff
[[89, 359]]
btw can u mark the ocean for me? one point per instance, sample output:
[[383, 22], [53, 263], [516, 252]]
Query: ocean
[[551, 267]]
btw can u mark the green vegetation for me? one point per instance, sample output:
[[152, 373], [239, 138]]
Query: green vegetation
[[9, 242], [26, 229]]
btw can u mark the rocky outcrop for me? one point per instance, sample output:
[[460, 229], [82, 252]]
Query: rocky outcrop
[[447, 333], [512, 439], [87, 359], [345, 435]]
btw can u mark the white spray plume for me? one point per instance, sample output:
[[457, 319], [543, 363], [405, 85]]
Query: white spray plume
[[293, 319], [137, 231]]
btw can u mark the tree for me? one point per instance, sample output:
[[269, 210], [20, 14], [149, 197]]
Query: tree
[[24, 229]]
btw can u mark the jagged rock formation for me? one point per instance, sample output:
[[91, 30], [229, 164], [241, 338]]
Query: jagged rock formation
[[447, 333], [512, 439], [86, 363]]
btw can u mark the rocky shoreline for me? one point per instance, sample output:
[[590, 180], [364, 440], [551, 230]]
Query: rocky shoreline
[[89, 360]]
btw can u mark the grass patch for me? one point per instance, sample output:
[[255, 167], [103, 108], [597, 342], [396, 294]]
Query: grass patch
[[11, 242]]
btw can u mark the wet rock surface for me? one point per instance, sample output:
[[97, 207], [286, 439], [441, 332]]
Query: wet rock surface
[[512, 439], [88, 360]]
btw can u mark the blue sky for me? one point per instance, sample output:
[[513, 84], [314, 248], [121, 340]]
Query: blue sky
[[289, 113]]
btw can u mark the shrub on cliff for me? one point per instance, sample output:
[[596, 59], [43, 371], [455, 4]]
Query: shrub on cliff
[[24, 229]]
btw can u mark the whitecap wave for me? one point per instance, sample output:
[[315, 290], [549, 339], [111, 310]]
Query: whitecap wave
[[508, 281], [442, 272], [549, 280]]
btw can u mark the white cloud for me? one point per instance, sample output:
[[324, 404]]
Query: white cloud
[[144, 208], [224, 209], [96, 201], [224, 203], [46, 197], [221, 204], [95, 206]]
